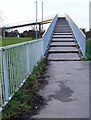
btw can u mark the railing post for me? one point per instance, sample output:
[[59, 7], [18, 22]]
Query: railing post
[[28, 58], [1, 77], [5, 74]]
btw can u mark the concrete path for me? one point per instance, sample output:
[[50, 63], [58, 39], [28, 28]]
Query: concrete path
[[67, 92]]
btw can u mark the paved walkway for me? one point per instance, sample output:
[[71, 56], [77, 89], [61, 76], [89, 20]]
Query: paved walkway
[[67, 92]]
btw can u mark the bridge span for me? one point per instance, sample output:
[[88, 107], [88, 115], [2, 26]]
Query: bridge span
[[27, 24]]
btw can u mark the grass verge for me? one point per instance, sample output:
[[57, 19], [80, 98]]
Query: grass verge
[[21, 101], [13, 40], [88, 49]]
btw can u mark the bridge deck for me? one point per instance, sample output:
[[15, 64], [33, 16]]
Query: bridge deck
[[67, 92]]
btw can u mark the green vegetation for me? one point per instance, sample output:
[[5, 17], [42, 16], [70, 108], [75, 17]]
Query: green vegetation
[[13, 40], [88, 49], [21, 101]]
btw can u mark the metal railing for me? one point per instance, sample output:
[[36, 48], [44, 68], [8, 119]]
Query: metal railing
[[17, 62], [79, 35], [49, 32]]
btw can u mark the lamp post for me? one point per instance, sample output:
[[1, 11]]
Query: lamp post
[[42, 15], [90, 15], [36, 19]]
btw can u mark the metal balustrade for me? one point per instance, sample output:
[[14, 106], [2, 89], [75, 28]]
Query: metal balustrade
[[79, 35], [17, 62], [48, 34]]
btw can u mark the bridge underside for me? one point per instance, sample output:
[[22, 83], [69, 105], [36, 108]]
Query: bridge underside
[[40, 24]]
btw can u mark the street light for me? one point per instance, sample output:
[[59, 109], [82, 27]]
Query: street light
[[42, 15], [36, 18]]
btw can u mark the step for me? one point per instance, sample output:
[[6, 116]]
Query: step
[[62, 31], [63, 43], [63, 49], [63, 39], [61, 22], [62, 36], [56, 40], [63, 56], [62, 28], [66, 25]]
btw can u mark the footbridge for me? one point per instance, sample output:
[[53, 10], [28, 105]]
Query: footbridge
[[63, 36], [64, 45], [39, 23]]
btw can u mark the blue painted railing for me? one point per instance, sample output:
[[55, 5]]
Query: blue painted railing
[[49, 32], [79, 35], [17, 62]]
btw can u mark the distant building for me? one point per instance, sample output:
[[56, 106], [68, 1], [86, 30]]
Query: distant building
[[89, 15]]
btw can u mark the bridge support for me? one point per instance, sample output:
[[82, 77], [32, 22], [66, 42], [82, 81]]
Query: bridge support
[[3, 33], [0, 32], [40, 35]]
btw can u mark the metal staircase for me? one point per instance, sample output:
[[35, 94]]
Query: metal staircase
[[63, 46]]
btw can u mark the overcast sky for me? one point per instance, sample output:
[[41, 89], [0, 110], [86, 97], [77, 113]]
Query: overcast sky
[[16, 11]]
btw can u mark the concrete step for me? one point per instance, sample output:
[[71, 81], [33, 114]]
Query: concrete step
[[62, 40], [59, 24], [63, 50], [63, 43], [62, 31], [62, 28], [63, 57], [62, 36], [58, 40]]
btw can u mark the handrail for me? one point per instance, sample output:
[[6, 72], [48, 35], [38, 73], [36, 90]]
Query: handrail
[[79, 35], [16, 64], [49, 32]]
